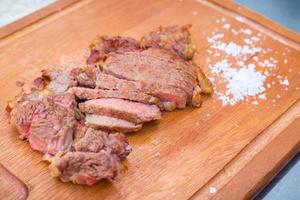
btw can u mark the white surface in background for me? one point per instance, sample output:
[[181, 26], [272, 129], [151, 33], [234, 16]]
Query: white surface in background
[[12, 10]]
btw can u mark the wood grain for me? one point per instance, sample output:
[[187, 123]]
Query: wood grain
[[34, 17], [194, 144]]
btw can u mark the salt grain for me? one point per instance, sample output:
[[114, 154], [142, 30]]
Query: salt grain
[[285, 61], [212, 190], [195, 13], [284, 82], [248, 31], [262, 96], [226, 26], [157, 154], [173, 193], [240, 19]]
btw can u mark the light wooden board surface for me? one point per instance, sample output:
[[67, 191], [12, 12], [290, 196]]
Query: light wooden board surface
[[195, 145]]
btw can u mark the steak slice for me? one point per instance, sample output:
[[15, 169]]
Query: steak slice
[[175, 39], [105, 45], [47, 122], [93, 140], [84, 77], [122, 109], [164, 92], [56, 80], [110, 123], [85, 168], [87, 94], [146, 68]]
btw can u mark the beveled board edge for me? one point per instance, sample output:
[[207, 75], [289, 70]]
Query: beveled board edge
[[257, 18], [34, 17], [255, 166], [18, 189]]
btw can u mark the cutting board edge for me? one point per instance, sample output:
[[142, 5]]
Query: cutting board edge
[[34, 17], [251, 155]]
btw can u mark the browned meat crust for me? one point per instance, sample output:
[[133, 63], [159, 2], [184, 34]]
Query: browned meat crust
[[175, 39], [105, 45]]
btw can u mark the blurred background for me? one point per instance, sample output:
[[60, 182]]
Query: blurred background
[[286, 185]]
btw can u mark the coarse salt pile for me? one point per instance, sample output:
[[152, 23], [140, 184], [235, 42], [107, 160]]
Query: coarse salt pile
[[240, 68], [241, 82]]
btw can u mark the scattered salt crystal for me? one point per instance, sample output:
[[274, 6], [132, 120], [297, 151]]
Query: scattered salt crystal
[[297, 88], [195, 13], [226, 26], [285, 61], [223, 19], [255, 39], [269, 85], [278, 96], [209, 51], [240, 19], [173, 193], [197, 123], [157, 154], [254, 102], [290, 70], [262, 96], [207, 115], [212, 190], [273, 100], [284, 82], [248, 31]]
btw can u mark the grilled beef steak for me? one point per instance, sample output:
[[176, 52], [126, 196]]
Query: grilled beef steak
[[77, 119]]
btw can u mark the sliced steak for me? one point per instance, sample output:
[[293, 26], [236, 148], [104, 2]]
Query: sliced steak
[[175, 39], [111, 123], [47, 122], [105, 45], [87, 94], [96, 140], [84, 77], [164, 92], [123, 109], [144, 67], [57, 80], [85, 168]]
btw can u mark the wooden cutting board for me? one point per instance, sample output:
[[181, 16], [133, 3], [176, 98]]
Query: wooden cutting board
[[220, 152]]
